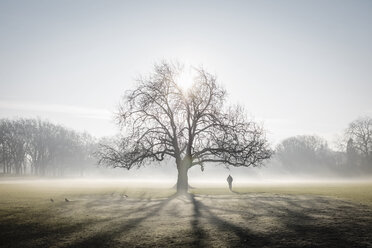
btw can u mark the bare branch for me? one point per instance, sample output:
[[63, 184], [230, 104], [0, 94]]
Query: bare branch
[[160, 119]]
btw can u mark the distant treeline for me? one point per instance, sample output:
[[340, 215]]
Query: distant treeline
[[33, 146], [311, 154]]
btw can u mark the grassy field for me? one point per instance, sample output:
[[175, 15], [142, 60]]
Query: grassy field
[[357, 192], [41, 190], [120, 214]]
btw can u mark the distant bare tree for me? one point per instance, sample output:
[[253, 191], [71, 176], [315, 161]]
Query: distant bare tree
[[159, 119], [42, 148], [352, 156], [5, 156], [305, 153], [359, 133], [14, 145]]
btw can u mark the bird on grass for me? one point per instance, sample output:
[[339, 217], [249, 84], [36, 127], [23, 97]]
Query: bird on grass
[[67, 200], [51, 199], [124, 196]]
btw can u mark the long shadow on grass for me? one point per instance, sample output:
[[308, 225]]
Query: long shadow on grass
[[245, 237], [198, 232], [15, 232], [315, 222], [334, 226], [107, 238]]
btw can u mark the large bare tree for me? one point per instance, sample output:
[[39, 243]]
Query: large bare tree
[[160, 119]]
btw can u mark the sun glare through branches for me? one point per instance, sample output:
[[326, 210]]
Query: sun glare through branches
[[186, 78]]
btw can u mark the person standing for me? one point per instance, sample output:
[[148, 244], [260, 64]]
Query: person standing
[[230, 180]]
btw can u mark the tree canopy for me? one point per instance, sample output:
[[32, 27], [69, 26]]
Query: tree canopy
[[160, 119]]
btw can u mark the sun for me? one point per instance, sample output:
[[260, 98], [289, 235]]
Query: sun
[[186, 79]]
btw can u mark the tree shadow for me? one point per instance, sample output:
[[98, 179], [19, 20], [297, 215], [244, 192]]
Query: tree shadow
[[300, 222], [108, 238], [245, 236], [16, 232], [199, 234], [204, 221], [42, 229]]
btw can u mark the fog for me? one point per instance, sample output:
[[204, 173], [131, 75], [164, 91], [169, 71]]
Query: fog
[[185, 123], [39, 149]]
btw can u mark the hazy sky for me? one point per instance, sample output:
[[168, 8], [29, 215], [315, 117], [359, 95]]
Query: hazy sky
[[303, 67]]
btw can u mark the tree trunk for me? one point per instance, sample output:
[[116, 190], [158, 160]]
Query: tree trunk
[[182, 180]]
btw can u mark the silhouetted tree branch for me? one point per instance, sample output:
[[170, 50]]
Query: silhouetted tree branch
[[159, 119]]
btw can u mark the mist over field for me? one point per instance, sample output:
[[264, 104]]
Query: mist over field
[[185, 123]]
